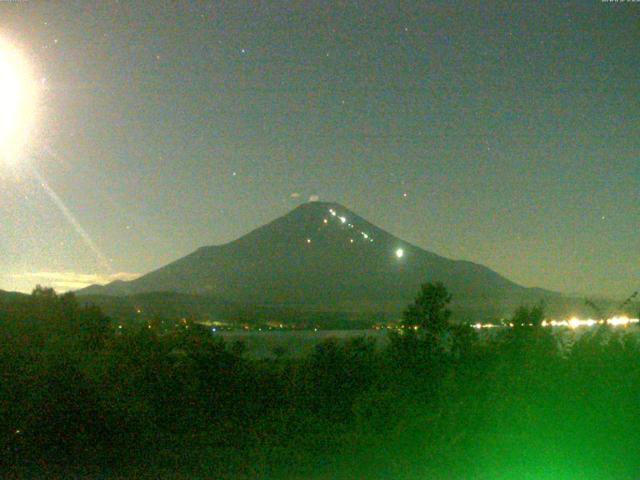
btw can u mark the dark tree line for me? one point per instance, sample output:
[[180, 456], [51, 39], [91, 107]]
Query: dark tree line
[[81, 397]]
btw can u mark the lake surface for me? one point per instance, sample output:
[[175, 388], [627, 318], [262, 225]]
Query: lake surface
[[294, 342]]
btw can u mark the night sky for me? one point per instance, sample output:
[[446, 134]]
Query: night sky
[[508, 135]]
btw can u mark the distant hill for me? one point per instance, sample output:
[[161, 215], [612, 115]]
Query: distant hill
[[172, 306], [12, 296], [161, 304], [322, 256]]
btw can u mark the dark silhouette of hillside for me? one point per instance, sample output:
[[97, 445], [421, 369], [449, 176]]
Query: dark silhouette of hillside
[[12, 296]]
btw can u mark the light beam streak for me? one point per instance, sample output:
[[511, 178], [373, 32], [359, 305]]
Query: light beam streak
[[57, 201]]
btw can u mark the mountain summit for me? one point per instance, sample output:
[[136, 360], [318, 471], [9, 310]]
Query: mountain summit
[[321, 255]]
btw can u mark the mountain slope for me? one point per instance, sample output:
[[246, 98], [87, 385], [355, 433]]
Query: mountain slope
[[12, 296], [323, 255]]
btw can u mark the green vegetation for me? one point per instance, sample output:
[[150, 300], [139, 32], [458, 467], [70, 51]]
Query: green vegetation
[[82, 398]]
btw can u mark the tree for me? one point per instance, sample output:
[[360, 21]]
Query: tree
[[429, 310], [528, 316], [528, 334], [625, 306]]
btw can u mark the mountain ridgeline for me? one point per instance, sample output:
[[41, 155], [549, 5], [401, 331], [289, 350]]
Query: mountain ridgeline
[[323, 257]]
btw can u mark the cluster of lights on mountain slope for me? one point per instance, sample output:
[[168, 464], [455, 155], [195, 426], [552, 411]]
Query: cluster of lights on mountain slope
[[399, 253], [573, 323], [344, 221]]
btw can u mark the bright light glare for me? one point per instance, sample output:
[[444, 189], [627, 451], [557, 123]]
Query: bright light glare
[[18, 94], [622, 320], [575, 322], [399, 253]]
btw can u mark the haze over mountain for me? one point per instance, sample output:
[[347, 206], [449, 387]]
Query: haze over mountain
[[323, 256]]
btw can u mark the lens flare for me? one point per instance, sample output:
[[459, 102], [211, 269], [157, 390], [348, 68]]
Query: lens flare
[[18, 98]]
